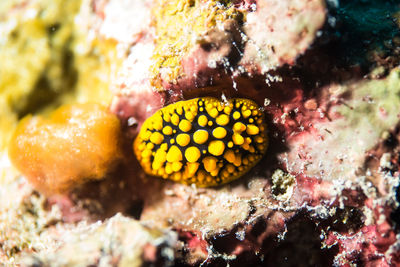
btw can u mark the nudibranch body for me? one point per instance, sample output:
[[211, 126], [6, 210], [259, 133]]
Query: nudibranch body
[[202, 141]]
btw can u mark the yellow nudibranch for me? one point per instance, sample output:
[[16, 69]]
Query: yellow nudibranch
[[202, 141]]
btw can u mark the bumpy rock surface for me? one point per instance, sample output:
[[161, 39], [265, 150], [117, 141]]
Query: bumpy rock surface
[[27, 223], [325, 194]]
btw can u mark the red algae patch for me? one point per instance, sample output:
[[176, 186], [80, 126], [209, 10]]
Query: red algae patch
[[76, 143]]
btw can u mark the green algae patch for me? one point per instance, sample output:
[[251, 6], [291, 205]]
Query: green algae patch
[[375, 103], [368, 109], [179, 26], [372, 109], [48, 59], [37, 63]]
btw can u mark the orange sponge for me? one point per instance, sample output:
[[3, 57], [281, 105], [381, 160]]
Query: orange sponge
[[77, 143]]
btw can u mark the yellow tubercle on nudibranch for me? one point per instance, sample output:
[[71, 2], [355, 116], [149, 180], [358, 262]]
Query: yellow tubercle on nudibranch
[[202, 141]]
